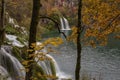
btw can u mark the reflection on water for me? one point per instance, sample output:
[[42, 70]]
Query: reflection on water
[[101, 63]]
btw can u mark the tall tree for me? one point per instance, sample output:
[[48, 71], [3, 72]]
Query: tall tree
[[32, 37], [2, 27], [98, 22], [79, 48], [101, 18]]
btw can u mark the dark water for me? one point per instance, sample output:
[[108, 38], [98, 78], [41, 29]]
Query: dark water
[[101, 63]]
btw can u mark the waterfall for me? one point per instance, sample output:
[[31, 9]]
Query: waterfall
[[11, 65], [46, 65], [65, 27], [64, 24], [11, 20], [59, 73], [12, 69], [15, 25], [14, 40], [4, 74], [47, 68]]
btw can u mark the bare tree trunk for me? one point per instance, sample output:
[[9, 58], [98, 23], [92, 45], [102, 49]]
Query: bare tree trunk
[[32, 36], [2, 27], [79, 48]]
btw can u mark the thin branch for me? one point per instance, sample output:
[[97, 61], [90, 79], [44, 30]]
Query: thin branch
[[110, 23], [49, 19], [57, 24]]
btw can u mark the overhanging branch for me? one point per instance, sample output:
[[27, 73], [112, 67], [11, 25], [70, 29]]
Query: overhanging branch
[[57, 24], [46, 17]]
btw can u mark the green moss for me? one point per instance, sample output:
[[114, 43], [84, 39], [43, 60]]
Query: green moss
[[53, 68], [24, 52], [14, 31], [38, 70], [7, 42], [21, 40], [17, 53], [10, 30], [8, 64]]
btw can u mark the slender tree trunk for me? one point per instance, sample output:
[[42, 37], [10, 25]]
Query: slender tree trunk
[[2, 27], [79, 48], [32, 36]]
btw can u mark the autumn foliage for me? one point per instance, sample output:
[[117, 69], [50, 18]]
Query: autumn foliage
[[100, 18]]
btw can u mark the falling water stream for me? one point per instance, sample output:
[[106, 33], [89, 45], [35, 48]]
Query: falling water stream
[[101, 63], [4, 74], [12, 69], [10, 64]]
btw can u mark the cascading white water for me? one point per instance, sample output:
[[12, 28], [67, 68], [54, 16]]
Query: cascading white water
[[12, 65], [4, 74], [59, 73], [47, 68], [46, 65], [64, 24], [14, 24], [11, 21], [14, 40], [65, 27]]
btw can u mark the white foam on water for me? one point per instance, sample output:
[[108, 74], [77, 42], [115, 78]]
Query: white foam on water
[[14, 40]]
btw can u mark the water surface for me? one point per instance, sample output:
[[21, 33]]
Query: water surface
[[101, 63]]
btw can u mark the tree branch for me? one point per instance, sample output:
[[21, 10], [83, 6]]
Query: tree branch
[[57, 24], [109, 24], [46, 17]]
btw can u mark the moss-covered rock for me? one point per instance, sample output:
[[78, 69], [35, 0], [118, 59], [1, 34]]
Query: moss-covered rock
[[11, 30], [19, 32], [38, 72], [17, 53], [21, 40], [53, 68]]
